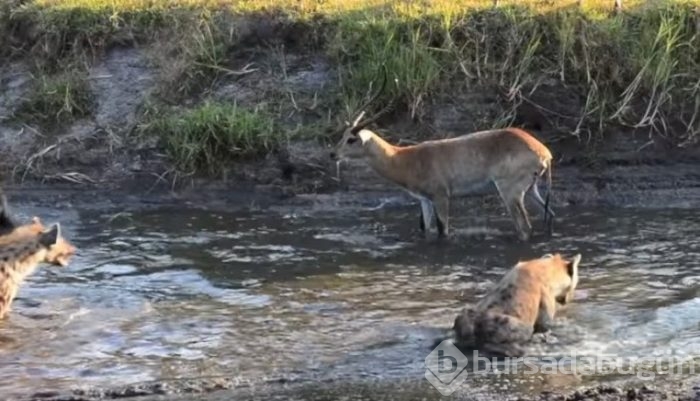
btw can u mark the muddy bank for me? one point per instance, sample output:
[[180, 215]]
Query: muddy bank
[[103, 150], [371, 390]]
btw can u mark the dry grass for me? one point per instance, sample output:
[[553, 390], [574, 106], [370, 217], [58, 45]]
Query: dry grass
[[57, 99], [336, 7]]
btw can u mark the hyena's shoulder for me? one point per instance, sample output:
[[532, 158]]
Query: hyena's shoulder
[[520, 292]]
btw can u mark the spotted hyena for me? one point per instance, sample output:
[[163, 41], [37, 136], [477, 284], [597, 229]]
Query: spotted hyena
[[22, 248], [523, 303]]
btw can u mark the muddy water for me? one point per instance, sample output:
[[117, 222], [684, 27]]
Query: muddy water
[[319, 294]]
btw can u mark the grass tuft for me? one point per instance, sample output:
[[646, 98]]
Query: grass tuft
[[362, 49], [207, 137], [57, 100]]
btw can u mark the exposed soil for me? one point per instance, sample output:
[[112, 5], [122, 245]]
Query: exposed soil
[[380, 390], [102, 151]]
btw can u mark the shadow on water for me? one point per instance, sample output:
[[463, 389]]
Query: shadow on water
[[331, 294]]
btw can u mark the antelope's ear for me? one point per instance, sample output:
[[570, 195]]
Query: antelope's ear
[[365, 135], [50, 237]]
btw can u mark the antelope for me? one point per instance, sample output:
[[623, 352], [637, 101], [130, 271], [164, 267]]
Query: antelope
[[435, 171]]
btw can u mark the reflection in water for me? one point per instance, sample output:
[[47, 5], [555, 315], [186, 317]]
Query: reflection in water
[[322, 294]]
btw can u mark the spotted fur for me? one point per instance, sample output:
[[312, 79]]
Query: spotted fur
[[521, 304], [22, 248]]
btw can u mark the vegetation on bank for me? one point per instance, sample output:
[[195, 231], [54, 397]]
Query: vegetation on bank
[[56, 99], [207, 137], [638, 68]]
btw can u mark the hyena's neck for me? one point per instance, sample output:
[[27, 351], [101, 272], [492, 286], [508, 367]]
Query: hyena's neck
[[19, 259]]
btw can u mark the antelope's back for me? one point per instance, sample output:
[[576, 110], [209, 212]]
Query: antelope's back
[[489, 154], [506, 142]]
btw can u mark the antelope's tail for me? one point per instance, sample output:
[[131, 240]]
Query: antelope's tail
[[548, 218]]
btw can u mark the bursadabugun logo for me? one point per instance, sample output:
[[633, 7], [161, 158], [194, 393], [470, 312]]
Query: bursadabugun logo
[[447, 367]]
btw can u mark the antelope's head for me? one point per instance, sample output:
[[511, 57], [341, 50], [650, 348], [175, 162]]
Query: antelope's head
[[350, 144]]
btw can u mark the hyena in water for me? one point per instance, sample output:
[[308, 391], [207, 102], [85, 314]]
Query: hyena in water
[[523, 303], [22, 248]]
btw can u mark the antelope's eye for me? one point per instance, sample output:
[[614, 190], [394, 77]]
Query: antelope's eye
[[352, 140]]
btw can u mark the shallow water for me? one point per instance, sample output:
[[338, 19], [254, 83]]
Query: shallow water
[[322, 293]]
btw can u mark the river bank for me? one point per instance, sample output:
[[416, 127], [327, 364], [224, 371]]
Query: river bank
[[251, 97]]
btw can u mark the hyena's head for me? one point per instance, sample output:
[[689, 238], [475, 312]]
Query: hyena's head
[[32, 229], [59, 250], [563, 274], [10, 230]]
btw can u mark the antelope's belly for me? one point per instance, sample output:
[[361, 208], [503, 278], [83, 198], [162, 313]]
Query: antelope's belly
[[480, 187]]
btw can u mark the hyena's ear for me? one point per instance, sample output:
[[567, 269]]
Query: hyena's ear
[[6, 222], [572, 265], [50, 237]]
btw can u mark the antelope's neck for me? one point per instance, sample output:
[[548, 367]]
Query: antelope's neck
[[384, 158]]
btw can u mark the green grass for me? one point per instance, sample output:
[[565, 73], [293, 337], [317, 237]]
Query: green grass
[[56, 100], [208, 137], [637, 69], [364, 49]]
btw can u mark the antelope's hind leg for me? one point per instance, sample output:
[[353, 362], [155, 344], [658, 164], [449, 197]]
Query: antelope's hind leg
[[534, 195], [512, 197], [442, 214], [520, 204], [427, 212]]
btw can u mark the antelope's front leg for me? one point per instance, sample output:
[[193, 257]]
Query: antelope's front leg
[[442, 212]]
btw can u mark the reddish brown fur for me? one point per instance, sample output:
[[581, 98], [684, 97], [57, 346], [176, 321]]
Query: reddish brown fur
[[435, 171], [523, 303]]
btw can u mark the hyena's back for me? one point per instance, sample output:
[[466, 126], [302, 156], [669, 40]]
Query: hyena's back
[[501, 334]]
